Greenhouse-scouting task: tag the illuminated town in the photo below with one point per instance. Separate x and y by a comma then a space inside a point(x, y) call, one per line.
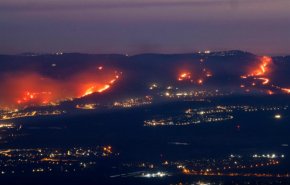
point(211, 114)
point(134, 102)
point(21, 114)
point(51, 160)
point(234, 165)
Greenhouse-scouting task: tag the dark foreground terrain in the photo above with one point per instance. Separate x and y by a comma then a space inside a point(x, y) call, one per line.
point(117, 147)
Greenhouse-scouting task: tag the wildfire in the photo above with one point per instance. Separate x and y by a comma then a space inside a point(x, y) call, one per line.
point(199, 78)
point(265, 80)
point(263, 68)
point(261, 72)
point(184, 76)
point(104, 88)
point(286, 90)
point(89, 91)
point(42, 97)
point(100, 88)
point(22, 89)
point(94, 89)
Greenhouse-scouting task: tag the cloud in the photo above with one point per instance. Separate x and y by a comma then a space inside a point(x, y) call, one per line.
point(53, 5)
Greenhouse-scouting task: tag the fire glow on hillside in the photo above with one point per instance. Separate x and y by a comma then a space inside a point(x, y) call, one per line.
point(261, 73)
point(29, 88)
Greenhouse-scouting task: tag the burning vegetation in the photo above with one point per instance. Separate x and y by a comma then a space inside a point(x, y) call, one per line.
point(199, 78)
point(261, 73)
point(184, 76)
point(21, 89)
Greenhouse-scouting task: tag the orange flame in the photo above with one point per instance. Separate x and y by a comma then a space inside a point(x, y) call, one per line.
point(265, 80)
point(263, 68)
point(42, 97)
point(26, 88)
point(100, 88)
point(184, 76)
point(286, 90)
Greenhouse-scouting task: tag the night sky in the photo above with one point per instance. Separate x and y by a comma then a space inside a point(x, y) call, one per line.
point(138, 26)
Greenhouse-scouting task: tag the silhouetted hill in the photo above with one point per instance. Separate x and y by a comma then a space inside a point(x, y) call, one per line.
point(216, 69)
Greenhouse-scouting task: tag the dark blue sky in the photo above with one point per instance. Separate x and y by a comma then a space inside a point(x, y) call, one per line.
point(137, 26)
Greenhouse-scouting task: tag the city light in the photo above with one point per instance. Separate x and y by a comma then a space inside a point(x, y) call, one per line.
point(154, 175)
point(278, 116)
